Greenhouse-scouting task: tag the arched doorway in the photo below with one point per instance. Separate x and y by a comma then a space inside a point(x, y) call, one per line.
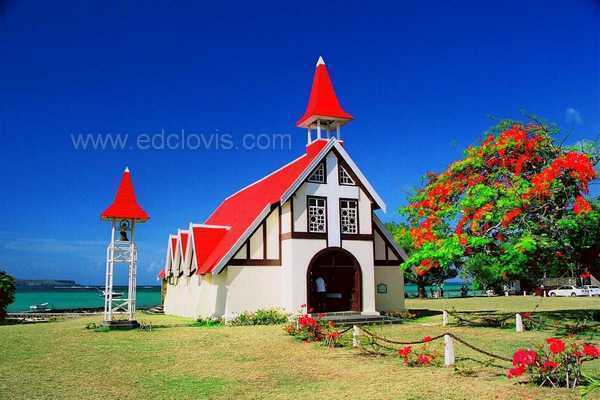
point(334, 282)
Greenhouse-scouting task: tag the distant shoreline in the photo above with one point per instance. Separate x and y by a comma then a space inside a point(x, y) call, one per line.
point(80, 287)
point(79, 310)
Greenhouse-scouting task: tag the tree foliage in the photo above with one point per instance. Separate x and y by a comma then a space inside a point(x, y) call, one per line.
point(513, 208)
point(7, 292)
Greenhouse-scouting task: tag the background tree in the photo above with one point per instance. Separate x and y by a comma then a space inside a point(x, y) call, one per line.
point(7, 292)
point(434, 277)
point(512, 208)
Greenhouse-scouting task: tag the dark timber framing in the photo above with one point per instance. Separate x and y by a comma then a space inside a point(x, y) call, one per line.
point(388, 249)
point(264, 261)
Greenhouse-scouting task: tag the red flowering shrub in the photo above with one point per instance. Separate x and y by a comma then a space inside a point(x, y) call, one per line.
point(505, 209)
point(306, 328)
point(556, 346)
point(556, 364)
point(419, 357)
point(332, 336)
point(524, 357)
point(591, 351)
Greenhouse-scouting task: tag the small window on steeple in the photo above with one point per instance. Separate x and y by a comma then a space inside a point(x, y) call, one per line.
point(345, 178)
point(318, 175)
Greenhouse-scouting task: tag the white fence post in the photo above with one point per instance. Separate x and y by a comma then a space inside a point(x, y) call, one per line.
point(448, 351)
point(524, 292)
point(519, 323)
point(355, 335)
point(445, 318)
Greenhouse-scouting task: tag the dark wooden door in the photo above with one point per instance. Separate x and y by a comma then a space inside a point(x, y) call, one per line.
point(341, 274)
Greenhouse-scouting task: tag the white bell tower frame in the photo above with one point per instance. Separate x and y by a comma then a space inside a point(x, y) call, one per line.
point(124, 213)
point(121, 252)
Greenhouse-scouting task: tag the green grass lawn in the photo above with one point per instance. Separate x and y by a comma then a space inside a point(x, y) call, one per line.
point(63, 360)
point(506, 304)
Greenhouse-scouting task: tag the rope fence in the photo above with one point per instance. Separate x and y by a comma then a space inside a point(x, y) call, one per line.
point(523, 320)
point(449, 358)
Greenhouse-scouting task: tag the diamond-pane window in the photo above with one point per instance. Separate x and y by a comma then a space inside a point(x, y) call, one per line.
point(345, 178)
point(317, 215)
point(349, 216)
point(318, 175)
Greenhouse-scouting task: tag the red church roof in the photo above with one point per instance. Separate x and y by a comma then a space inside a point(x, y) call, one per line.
point(241, 209)
point(174, 239)
point(183, 240)
point(322, 103)
point(125, 204)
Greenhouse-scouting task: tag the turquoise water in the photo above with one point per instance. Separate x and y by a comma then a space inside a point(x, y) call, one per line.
point(450, 290)
point(60, 299)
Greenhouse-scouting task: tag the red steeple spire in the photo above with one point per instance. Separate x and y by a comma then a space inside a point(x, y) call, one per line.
point(323, 103)
point(125, 205)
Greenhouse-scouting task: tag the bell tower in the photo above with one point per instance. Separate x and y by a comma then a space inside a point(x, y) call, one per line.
point(323, 114)
point(123, 215)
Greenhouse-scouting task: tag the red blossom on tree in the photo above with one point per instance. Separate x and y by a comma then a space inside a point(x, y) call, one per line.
point(581, 205)
point(503, 210)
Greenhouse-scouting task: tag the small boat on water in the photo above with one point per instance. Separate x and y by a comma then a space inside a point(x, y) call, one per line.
point(40, 307)
point(115, 295)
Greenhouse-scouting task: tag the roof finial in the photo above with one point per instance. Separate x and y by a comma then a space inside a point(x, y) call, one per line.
point(320, 61)
point(126, 169)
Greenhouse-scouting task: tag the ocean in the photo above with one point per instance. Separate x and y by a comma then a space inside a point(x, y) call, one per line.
point(61, 299)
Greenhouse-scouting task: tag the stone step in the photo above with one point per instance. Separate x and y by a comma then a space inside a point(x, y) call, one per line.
point(355, 318)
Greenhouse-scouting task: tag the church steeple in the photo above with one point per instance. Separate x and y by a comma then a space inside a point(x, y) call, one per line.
point(323, 110)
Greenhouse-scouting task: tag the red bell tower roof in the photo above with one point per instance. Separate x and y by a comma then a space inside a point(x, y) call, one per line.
point(125, 205)
point(323, 103)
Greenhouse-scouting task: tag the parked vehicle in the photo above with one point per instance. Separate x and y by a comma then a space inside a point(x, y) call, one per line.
point(592, 290)
point(568, 290)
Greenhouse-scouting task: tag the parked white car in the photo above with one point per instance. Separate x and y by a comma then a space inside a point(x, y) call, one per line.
point(592, 290)
point(568, 291)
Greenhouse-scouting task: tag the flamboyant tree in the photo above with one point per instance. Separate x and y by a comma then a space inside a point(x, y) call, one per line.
point(514, 207)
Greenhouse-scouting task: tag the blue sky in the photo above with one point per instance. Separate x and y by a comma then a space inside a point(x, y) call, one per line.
point(422, 80)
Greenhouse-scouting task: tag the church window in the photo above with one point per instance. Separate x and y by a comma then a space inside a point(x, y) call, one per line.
point(349, 216)
point(317, 214)
point(345, 178)
point(318, 175)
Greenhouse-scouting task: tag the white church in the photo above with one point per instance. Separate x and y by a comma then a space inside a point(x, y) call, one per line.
point(306, 234)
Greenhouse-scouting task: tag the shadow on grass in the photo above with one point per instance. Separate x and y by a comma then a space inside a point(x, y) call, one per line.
point(422, 313)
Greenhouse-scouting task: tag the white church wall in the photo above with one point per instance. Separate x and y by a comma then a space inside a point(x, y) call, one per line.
point(185, 297)
point(249, 288)
point(256, 244)
point(297, 256)
point(379, 246)
point(393, 279)
point(364, 213)
point(286, 217)
point(272, 226)
point(242, 253)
